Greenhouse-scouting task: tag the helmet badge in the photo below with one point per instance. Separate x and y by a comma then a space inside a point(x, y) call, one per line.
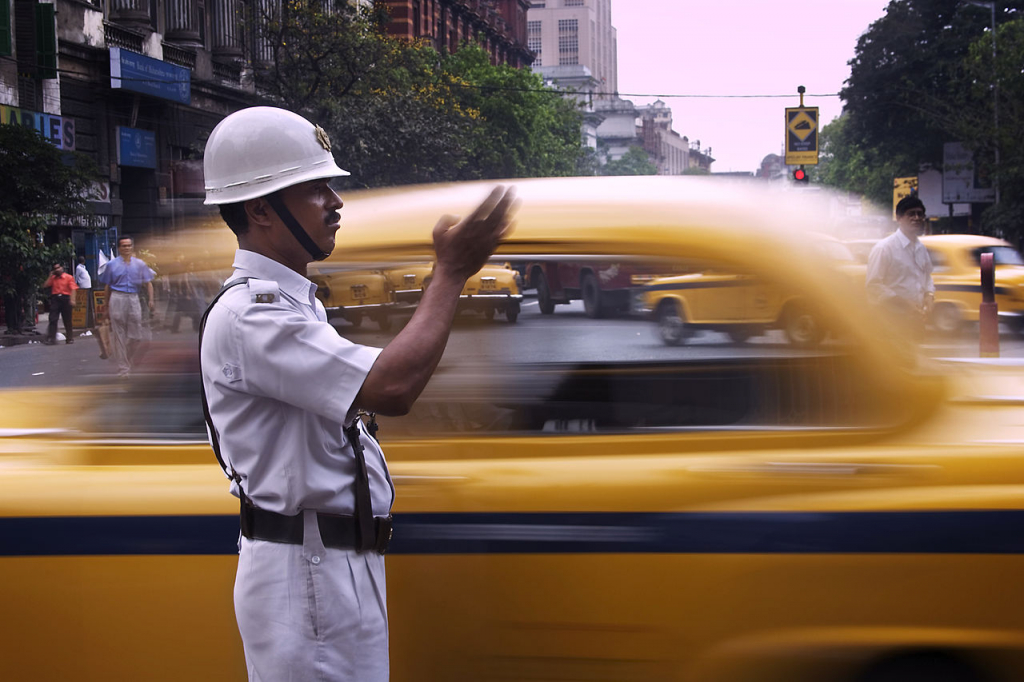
point(321, 137)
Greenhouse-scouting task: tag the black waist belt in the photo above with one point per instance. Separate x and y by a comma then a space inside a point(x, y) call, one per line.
point(336, 530)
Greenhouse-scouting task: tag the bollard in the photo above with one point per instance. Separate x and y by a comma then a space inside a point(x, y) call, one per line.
point(988, 311)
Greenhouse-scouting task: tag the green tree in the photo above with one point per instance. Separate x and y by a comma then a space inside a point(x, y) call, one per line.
point(35, 181)
point(520, 128)
point(634, 162)
point(399, 112)
point(970, 118)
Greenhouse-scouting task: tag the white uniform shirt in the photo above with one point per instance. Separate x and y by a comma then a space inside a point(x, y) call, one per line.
point(280, 383)
point(82, 277)
point(899, 268)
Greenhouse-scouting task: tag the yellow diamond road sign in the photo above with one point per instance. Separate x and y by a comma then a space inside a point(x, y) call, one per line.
point(802, 125)
point(802, 136)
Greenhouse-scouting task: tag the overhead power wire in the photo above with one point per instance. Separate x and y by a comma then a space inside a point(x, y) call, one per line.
point(551, 89)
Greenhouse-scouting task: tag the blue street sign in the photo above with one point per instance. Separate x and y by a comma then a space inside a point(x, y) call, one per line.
point(139, 73)
point(136, 147)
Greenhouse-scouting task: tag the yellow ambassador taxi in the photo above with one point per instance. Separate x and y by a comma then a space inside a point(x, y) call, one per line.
point(956, 262)
point(352, 295)
point(574, 501)
point(495, 288)
point(743, 305)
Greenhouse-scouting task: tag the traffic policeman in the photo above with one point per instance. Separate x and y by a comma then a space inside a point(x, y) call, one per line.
point(282, 392)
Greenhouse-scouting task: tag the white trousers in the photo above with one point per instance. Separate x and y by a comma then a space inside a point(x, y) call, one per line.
point(125, 326)
point(308, 614)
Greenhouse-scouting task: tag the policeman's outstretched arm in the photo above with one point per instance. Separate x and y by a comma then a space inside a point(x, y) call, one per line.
point(462, 246)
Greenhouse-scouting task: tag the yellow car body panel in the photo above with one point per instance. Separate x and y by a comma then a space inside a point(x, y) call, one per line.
point(779, 551)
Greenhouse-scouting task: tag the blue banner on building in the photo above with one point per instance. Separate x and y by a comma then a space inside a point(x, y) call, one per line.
point(136, 147)
point(139, 73)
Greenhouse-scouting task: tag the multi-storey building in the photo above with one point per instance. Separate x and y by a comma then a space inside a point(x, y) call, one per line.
point(565, 33)
point(498, 25)
point(135, 84)
point(624, 125)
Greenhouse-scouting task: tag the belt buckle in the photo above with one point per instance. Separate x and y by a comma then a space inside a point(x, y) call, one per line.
point(384, 533)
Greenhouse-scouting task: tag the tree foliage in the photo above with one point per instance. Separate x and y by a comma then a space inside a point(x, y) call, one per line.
point(34, 182)
point(921, 76)
point(634, 162)
point(400, 112)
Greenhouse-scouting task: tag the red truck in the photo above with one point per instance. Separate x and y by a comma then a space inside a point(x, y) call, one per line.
point(606, 287)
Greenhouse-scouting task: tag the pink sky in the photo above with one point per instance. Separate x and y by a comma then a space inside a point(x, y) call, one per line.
point(738, 47)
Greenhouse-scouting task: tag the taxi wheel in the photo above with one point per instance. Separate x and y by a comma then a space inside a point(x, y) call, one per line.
point(355, 319)
point(946, 318)
point(384, 322)
point(489, 313)
point(512, 311)
point(922, 667)
point(547, 306)
point(671, 323)
point(803, 328)
point(590, 291)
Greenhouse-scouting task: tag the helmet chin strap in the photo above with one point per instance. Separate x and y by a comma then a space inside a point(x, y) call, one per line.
point(293, 226)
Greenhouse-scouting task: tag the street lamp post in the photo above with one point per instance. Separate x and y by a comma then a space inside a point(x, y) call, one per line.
point(991, 5)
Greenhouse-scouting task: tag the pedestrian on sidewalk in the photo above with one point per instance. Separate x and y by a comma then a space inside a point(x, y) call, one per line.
point(124, 278)
point(84, 281)
point(62, 287)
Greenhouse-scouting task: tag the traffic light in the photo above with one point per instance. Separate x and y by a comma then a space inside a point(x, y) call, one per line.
point(800, 175)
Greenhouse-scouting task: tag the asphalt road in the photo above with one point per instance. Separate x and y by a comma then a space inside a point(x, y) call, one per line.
point(566, 336)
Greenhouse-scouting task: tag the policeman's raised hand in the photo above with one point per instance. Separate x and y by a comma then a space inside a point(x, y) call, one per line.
point(464, 245)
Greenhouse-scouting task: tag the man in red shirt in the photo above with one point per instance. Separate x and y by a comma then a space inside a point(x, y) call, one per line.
point(62, 288)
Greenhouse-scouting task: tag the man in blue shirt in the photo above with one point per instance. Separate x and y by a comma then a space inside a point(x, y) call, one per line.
point(124, 277)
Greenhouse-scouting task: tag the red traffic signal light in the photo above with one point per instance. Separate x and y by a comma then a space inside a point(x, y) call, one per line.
point(800, 175)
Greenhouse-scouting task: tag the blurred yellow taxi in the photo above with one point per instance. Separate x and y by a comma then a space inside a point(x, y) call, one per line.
point(495, 289)
point(573, 500)
point(956, 262)
point(355, 294)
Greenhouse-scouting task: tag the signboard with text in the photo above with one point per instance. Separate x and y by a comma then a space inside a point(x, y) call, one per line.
point(959, 181)
point(136, 147)
point(57, 130)
point(139, 73)
point(802, 136)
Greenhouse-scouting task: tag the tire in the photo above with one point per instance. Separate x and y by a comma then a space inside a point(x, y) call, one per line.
point(802, 327)
point(512, 311)
point(923, 667)
point(946, 319)
point(672, 326)
point(384, 322)
point(544, 302)
point(590, 292)
point(354, 319)
point(740, 334)
point(489, 313)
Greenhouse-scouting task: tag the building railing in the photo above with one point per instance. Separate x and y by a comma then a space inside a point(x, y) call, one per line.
point(119, 36)
point(180, 56)
point(229, 71)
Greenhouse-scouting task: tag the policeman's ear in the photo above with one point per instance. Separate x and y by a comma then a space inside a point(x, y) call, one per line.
point(258, 212)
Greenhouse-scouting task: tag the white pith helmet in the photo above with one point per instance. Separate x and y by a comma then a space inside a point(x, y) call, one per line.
point(257, 151)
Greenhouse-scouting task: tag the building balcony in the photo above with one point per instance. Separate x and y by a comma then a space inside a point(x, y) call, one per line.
point(180, 56)
point(125, 38)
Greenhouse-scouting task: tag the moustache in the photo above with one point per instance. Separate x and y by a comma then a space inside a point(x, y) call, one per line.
point(333, 218)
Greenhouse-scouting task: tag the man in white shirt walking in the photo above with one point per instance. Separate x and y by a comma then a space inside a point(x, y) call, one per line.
point(899, 276)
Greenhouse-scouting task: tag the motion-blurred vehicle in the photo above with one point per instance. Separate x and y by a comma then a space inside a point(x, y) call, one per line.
point(573, 500)
point(354, 294)
point(956, 262)
point(742, 305)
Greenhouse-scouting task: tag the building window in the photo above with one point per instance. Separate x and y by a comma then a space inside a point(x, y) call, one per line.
point(574, 3)
point(533, 41)
point(568, 42)
point(5, 28)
